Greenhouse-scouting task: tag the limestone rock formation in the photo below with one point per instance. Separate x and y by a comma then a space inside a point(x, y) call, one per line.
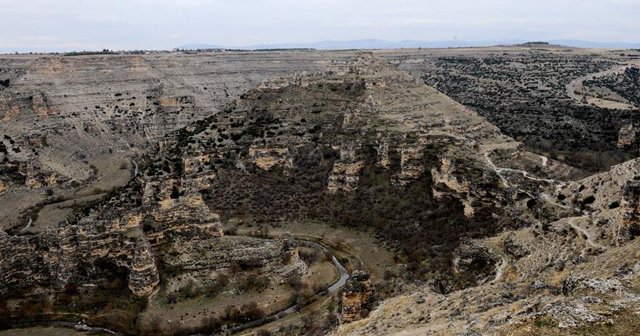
point(514, 247)
point(277, 260)
point(627, 136)
point(629, 228)
point(176, 207)
point(143, 275)
point(356, 297)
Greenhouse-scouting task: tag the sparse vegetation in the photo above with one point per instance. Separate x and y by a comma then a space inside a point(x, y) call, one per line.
point(362, 149)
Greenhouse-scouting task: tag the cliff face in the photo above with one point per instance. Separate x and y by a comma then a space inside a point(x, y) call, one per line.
point(576, 269)
point(31, 261)
point(177, 207)
point(629, 228)
point(627, 136)
point(177, 230)
point(356, 297)
point(143, 272)
point(235, 257)
point(56, 258)
point(335, 140)
point(65, 119)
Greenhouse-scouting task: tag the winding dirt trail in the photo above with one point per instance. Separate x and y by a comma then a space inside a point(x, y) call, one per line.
point(547, 198)
point(585, 233)
point(495, 168)
point(525, 174)
point(604, 103)
point(499, 273)
point(136, 170)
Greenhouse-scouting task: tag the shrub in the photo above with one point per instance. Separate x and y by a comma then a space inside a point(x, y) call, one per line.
point(211, 324)
point(296, 283)
point(217, 285)
point(188, 291)
point(309, 257)
point(251, 312)
point(232, 231)
point(589, 200)
point(258, 283)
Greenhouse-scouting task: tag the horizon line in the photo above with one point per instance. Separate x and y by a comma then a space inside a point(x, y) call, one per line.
point(193, 46)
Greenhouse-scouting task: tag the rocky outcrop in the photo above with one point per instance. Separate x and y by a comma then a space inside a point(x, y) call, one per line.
point(29, 261)
point(411, 153)
point(445, 175)
point(356, 297)
point(231, 256)
point(629, 226)
point(37, 176)
point(143, 273)
point(344, 175)
point(266, 158)
point(116, 231)
point(475, 262)
point(515, 247)
point(175, 207)
point(627, 136)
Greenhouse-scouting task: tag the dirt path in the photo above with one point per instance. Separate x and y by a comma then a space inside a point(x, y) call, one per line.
point(547, 198)
point(584, 233)
point(604, 103)
point(501, 268)
point(499, 171)
point(495, 169)
point(136, 170)
point(526, 175)
point(545, 160)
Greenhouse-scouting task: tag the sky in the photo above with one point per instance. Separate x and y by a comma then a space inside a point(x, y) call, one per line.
point(60, 25)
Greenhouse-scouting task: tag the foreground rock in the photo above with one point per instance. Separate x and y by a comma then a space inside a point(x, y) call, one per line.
point(356, 297)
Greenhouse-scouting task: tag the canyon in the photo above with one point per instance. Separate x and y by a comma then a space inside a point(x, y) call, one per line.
point(464, 191)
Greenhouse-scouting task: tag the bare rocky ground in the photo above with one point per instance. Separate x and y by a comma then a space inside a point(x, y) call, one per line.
point(130, 184)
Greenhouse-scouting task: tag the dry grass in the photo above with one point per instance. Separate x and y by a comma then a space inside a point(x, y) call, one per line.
point(39, 331)
point(365, 250)
point(624, 323)
point(193, 312)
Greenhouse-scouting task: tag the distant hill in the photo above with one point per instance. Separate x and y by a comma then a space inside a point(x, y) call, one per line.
point(592, 44)
point(383, 44)
point(194, 46)
point(365, 44)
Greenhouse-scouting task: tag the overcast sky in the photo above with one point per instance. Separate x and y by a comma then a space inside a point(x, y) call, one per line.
point(163, 24)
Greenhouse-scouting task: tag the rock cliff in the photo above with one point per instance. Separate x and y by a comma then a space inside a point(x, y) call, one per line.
point(629, 228)
point(356, 297)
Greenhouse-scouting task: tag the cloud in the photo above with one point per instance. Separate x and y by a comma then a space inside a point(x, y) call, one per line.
point(157, 24)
